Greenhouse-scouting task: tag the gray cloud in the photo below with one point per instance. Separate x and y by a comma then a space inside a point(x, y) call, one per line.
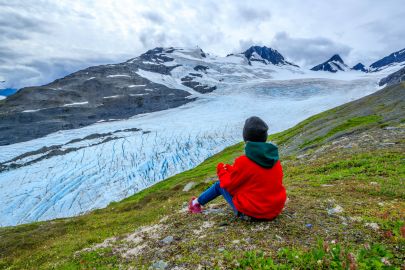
point(151, 38)
point(47, 70)
point(251, 14)
point(308, 51)
point(245, 44)
point(8, 54)
point(14, 21)
point(14, 26)
point(390, 34)
point(7, 34)
point(153, 16)
point(16, 76)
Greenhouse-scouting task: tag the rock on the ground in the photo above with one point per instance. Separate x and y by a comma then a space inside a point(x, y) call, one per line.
point(335, 210)
point(188, 187)
point(167, 240)
point(159, 265)
point(372, 225)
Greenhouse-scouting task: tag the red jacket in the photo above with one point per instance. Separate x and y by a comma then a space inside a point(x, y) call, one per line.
point(257, 191)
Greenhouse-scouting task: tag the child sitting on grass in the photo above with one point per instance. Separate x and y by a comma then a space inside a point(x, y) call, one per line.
point(253, 185)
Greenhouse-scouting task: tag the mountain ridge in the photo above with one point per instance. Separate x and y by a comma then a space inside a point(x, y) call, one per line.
point(267, 55)
point(395, 57)
point(333, 64)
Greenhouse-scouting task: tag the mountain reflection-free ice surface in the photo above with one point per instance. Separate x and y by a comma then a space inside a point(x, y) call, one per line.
point(95, 172)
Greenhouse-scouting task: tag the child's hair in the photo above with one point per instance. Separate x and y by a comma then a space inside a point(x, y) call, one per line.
point(255, 130)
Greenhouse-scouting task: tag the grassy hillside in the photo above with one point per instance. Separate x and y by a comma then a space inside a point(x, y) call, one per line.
point(344, 173)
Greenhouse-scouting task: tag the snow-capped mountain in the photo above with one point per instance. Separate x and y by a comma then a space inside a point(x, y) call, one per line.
point(159, 79)
point(360, 67)
point(265, 55)
point(334, 64)
point(396, 58)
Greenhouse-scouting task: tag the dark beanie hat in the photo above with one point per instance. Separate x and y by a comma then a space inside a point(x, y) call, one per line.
point(255, 130)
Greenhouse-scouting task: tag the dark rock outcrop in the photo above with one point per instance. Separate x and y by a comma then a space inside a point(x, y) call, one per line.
point(265, 55)
point(201, 68)
point(359, 67)
point(334, 64)
point(197, 86)
point(394, 78)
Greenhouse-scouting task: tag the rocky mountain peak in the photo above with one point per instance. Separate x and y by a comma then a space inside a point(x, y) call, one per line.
point(334, 64)
point(336, 58)
point(360, 67)
point(265, 55)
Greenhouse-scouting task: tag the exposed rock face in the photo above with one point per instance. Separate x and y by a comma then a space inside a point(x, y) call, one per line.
point(394, 78)
point(265, 55)
point(396, 57)
point(201, 68)
point(359, 67)
point(334, 64)
point(197, 86)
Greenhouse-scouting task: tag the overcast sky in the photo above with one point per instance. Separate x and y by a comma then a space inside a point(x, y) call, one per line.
point(42, 40)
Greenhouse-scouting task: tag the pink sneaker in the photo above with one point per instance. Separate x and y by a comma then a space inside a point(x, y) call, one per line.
point(194, 209)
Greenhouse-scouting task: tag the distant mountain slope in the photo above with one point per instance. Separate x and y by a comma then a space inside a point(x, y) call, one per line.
point(334, 64)
point(393, 58)
point(394, 78)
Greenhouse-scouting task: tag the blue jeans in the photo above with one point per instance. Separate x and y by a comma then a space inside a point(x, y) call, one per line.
point(214, 191)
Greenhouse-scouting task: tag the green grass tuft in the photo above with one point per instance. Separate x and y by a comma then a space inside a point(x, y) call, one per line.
point(324, 256)
point(355, 122)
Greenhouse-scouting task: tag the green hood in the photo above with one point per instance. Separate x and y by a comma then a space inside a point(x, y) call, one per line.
point(264, 154)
